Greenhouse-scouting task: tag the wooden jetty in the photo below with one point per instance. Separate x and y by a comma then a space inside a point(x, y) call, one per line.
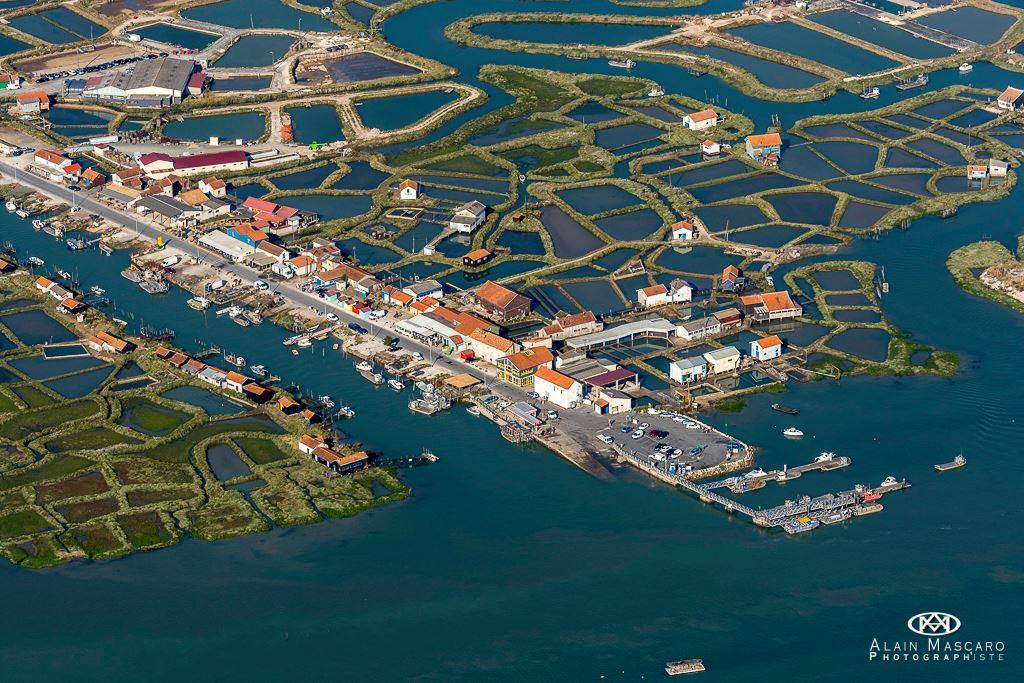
point(777, 475)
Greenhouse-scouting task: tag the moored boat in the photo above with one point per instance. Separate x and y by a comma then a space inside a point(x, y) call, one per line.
point(396, 384)
point(866, 509)
point(800, 525)
point(870, 93)
point(684, 666)
point(199, 303)
point(778, 407)
point(837, 516)
point(792, 432)
point(258, 370)
point(473, 410)
point(622, 63)
point(346, 411)
point(966, 68)
point(363, 366)
point(958, 461)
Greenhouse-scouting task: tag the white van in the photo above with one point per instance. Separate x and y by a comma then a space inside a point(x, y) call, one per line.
point(170, 261)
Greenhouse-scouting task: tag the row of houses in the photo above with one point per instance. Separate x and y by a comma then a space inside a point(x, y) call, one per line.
point(224, 379)
point(56, 167)
point(722, 361)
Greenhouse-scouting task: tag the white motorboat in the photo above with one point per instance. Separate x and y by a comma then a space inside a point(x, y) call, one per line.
point(241, 322)
point(966, 68)
point(363, 366)
point(473, 410)
point(304, 343)
point(258, 370)
point(622, 63)
point(11, 206)
point(826, 456)
point(97, 290)
point(35, 261)
point(396, 384)
point(326, 401)
point(199, 303)
point(347, 411)
point(792, 432)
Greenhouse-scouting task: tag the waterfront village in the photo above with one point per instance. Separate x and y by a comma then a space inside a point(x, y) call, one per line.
point(589, 266)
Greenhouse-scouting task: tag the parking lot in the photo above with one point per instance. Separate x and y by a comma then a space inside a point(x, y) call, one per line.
point(667, 439)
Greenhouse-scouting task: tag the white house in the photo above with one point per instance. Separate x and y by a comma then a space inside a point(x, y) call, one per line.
point(680, 291)
point(560, 389)
point(683, 230)
point(722, 360)
point(997, 168)
point(1009, 98)
point(699, 120)
point(687, 370)
point(710, 148)
point(214, 187)
point(692, 330)
point(423, 289)
point(468, 217)
point(655, 295)
point(766, 348)
point(408, 190)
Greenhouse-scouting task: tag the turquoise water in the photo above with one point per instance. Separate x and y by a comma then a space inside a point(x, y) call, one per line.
point(399, 111)
point(815, 46)
point(318, 123)
point(508, 564)
point(248, 126)
point(176, 35)
point(262, 14)
point(256, 50)
point(58, 25)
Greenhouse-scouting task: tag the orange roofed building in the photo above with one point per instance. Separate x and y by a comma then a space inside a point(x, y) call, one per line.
point(518, 368)
point(770, 306)
point(502, 303)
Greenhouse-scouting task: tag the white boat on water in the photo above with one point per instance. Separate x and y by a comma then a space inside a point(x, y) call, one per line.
point(326, 401)
point(826, 456)
point(237, 361)
point(396, 384)
point(199, 303)
point(97, 290)
point(473, 410)
point(347, 411)
point(11, 206)
point(64, 274)
point(38, 224)
point(258, 370)
point(35, 261)
point(622, 63)
point(304, 343)
point(376, 378)
point(364, 366)
point(966, 68)
point(21, 213)
point(228, 310)
point(792, 432)
point(241, 321)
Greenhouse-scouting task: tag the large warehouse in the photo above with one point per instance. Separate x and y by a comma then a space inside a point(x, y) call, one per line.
point(149, 83)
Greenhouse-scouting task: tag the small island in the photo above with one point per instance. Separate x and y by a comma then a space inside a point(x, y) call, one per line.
point(990, 270)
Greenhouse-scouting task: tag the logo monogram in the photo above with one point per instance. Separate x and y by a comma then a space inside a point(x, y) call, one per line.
point(933, 624)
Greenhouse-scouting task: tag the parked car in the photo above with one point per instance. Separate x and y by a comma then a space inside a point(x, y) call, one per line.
point(261, 285)
point(333, 317)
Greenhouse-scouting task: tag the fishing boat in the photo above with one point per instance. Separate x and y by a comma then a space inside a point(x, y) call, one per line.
point(862, 509)
point(119, 322)
point(97, 290)
point(473, 410)
point(199, 303)
point(132, 274)
point(154, 286)
point(918, 82)
point(253, 316)
point(375, 378)
point(11, 206)
point(64, 274)
point(825, 456)
point(778, 407)
point(792, 432)
point(684, 666)
point(21, 213)
point(76, 243)
point(396, 384)
point(870, 93)
point(622, 63)
point(241, 321)
point(35, 261)
point(966, 68)
point(258, 370)
point(787, 474)
point(292, 340)
point(38, 224)
point(106, 249)
point(837, 516)
point(237, 361)
point(363, 366)
point(958, 461)
point(800, 525)
point(744, 485)
point(428, 455)
point(304, 343)
point(326, 401)
point(346, 411)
